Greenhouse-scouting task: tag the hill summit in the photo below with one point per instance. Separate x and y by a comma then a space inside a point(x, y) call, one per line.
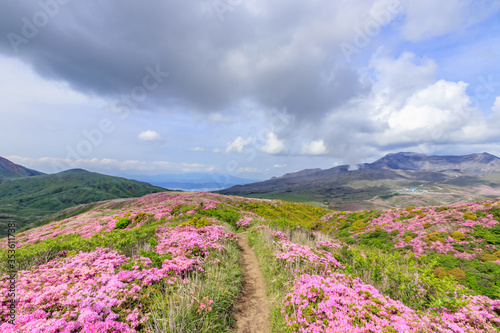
point(9, 170)
point(472, 164)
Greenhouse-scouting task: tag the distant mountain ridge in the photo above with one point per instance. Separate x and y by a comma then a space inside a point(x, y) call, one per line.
point(471, 164)
point(458, 178)
point(9, 170)
point(482, 163)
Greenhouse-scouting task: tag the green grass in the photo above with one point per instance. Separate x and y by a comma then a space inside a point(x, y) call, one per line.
point(171, 308)
point(279, 281)
point(295, 196)
point(296, 213)
point(401, 277)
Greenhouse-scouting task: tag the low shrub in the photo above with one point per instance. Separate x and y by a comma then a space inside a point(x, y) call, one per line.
point(458, 236)
point(457, 273)
point(140, 217)
point(470, 216)
point(432, 237)
point(122, 223)
point(197, 222)
point(489, 257)
point(224, 215)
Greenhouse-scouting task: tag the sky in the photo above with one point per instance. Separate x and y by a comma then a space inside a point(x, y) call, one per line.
point(245, 88)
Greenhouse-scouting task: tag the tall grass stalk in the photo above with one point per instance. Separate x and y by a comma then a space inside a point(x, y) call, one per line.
point(176, 308)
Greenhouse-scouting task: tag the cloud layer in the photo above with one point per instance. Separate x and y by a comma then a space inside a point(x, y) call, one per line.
point(253, 83)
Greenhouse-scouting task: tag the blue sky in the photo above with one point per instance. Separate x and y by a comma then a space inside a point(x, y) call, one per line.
point(246, 88)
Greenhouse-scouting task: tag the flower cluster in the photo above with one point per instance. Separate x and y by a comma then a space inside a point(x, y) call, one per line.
point(244, 222)
point(102, 291)
point(339, 303)
point(205, 304)
point(329, 244)
point(188, 239)
point(300, 257)
point(80, 291)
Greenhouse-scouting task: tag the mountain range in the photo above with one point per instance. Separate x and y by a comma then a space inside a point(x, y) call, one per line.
point(473, 164)
point(386, 182)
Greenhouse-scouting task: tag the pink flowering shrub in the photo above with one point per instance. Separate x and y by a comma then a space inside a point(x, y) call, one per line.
point(191, 240)
point(339, 303)
point(102, 290)
point(302, 257)
point(329, 244)
point(279, 236)
point(81, 291)
point(244, 223)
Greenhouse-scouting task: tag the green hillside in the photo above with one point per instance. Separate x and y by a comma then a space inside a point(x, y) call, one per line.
point(31, 201)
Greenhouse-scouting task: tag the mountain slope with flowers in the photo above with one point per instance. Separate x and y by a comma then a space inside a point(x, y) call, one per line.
point(169, 262)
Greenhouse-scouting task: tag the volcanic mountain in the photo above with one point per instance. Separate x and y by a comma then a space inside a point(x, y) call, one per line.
point(445, 179)
point(473, 164)
point(9, 170)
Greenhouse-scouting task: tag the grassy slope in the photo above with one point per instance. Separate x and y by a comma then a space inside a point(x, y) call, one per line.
point(27, 200)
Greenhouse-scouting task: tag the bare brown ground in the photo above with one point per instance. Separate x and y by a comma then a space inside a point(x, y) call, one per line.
point(252, 307)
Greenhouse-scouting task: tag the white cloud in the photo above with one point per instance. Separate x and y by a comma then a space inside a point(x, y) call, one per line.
point(273, 145)
point(399, 78)
point(149, 135)
point(428, 18)
point(496, 106)
point(237, 145)
point(316, 147)
point(279, 165)
point(249, 170)
point(217, 151)
point(55, 164)
point(22, 88)
point(407, 109)
point(219, 118)
point(196, 149)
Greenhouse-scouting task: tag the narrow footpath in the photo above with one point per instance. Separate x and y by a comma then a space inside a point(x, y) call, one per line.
point(252, 307)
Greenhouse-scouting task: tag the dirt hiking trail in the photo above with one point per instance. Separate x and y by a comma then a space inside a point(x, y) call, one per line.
point(252, 307)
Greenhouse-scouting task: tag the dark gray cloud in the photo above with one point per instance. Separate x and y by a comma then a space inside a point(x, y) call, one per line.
point(289, 59)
